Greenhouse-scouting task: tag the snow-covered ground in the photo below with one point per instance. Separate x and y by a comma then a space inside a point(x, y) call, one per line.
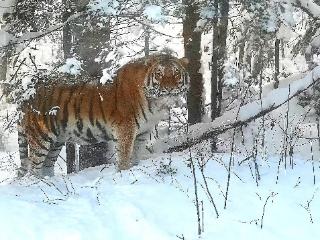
point(156, 200)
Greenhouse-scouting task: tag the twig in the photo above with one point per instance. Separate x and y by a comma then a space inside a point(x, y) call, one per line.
point(307, 207)
point(312, 162)
point(207, 189)
point(195, 192)
point(180, 237)
point(273, 194)
point(231, 155)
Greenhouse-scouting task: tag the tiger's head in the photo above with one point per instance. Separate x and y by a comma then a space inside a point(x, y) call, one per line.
point(167, 75)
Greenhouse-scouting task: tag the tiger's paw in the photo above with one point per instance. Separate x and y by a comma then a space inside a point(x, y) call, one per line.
point(124, 166)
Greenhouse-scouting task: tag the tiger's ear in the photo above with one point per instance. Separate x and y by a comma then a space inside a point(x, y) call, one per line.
point(184, 61)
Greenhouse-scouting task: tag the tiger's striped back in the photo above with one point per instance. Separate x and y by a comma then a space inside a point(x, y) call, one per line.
point(87, 113)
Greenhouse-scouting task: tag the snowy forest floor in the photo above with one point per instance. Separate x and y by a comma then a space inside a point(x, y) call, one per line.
point(156, 200)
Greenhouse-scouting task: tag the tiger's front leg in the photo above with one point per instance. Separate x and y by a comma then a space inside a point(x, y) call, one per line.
point(140, 149)
point(126, 135)
point(48, 165)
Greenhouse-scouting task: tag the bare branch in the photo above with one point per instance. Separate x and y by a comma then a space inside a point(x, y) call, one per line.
point(204, 131)
point(309, 7)
point(273, 194)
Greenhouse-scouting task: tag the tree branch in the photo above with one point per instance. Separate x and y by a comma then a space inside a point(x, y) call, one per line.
point(29, 36)
point(236, 118)
point(35, 35)
point(309, 7)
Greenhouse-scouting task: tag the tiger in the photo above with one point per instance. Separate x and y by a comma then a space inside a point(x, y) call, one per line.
point(124, 111)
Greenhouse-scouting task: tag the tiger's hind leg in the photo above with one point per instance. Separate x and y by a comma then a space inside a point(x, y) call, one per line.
point(37, 156)
point(48, 164)
point(23, 151)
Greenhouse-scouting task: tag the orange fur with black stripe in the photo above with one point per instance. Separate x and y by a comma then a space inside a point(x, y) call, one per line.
point(84, 113)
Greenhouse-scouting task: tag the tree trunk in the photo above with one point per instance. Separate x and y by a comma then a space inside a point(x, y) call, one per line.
point(5, 54)
point(214, 66)
point(147, 41)
point(223, 35)
point(71, 158)
point(219, 42)
point(277, 63)
point(66, 31)
point(192, 48)
point(67, 51)
point(3, 74)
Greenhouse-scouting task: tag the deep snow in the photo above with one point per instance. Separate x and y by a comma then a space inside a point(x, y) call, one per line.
point(156, 200)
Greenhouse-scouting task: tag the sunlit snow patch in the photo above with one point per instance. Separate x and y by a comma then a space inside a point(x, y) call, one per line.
point(72, 66)
point(153, 13)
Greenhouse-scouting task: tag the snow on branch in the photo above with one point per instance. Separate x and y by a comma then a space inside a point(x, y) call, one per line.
point(34, 35)
point(310, 7)
point(237, 117)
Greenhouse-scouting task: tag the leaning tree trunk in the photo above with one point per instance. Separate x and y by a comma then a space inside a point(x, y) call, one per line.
point(192, 48)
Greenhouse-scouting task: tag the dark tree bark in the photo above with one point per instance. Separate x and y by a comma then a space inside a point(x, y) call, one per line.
point(192, 47)
point(219, 52)
point(71, 158)
point(223, 35)
point(214, 66)
point(277, 63)
point(3, 74)
point(147, 41)
point(67, 51)
point(219, 41)
point(3, 65)
point(66, 31)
